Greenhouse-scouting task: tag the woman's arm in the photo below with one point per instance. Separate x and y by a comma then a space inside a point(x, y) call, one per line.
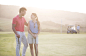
point(29, 29)
point(37, 33)
point(38, 30)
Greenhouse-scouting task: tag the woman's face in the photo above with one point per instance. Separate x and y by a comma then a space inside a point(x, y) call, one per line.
point(33, 17)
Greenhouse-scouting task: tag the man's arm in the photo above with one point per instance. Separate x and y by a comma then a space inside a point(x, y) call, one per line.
point(13, 28)
point(26, 23)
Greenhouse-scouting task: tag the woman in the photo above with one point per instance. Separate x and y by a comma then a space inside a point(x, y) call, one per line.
point(33, 31)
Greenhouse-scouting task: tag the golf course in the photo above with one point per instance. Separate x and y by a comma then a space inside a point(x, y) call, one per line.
point(61, 23)
point(50, 44)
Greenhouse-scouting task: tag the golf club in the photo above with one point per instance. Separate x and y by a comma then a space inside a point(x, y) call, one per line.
point(36, 47)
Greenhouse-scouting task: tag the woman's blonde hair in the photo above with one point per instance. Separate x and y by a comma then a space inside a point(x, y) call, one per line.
point(38, 23)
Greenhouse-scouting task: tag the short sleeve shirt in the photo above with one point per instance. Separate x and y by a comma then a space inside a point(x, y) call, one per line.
point(19, 22)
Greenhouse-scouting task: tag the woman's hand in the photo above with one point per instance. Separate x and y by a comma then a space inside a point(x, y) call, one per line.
point(34, 35)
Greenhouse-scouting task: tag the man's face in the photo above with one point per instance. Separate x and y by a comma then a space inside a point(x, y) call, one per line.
point(23, 12)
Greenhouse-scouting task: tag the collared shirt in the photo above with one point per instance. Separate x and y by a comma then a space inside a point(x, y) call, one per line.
point(32, 28)
point(19, 22)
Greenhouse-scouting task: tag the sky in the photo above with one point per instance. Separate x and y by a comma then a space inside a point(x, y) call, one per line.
point(66, 5)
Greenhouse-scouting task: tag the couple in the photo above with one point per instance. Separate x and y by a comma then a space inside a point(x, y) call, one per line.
point(33, 31)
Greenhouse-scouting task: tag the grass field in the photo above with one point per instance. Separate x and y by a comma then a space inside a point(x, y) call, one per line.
point(50, 44)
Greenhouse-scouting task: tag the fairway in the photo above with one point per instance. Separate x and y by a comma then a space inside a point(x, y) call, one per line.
point(50, 44)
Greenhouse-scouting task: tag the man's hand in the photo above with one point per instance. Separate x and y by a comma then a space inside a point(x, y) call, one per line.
point(18, 36)
point(26, 23)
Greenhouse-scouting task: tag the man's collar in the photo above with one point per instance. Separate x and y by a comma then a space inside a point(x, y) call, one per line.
point(19, 17)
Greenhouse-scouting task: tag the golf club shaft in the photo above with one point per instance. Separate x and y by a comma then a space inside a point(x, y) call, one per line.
point(36, 47)
point(18, 40)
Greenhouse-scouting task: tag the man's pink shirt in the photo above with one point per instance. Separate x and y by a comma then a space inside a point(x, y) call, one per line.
point(19, 22)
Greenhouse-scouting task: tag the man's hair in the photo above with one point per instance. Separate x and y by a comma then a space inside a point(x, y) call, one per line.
point(22, 9)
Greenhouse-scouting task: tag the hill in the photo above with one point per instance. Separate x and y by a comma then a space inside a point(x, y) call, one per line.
point(49, 19)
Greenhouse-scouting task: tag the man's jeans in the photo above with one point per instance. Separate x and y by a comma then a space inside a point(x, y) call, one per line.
point(23, 40)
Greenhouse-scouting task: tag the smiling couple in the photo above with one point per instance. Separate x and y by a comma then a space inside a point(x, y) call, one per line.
point(33, 31)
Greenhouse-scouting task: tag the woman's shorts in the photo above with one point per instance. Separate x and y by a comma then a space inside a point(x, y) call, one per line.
point(31, 39)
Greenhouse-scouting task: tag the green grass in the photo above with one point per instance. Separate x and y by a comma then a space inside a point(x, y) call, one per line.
point(50, 44)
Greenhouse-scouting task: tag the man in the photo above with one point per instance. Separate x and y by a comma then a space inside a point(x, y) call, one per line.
point(78, 29)
point(18, 28)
